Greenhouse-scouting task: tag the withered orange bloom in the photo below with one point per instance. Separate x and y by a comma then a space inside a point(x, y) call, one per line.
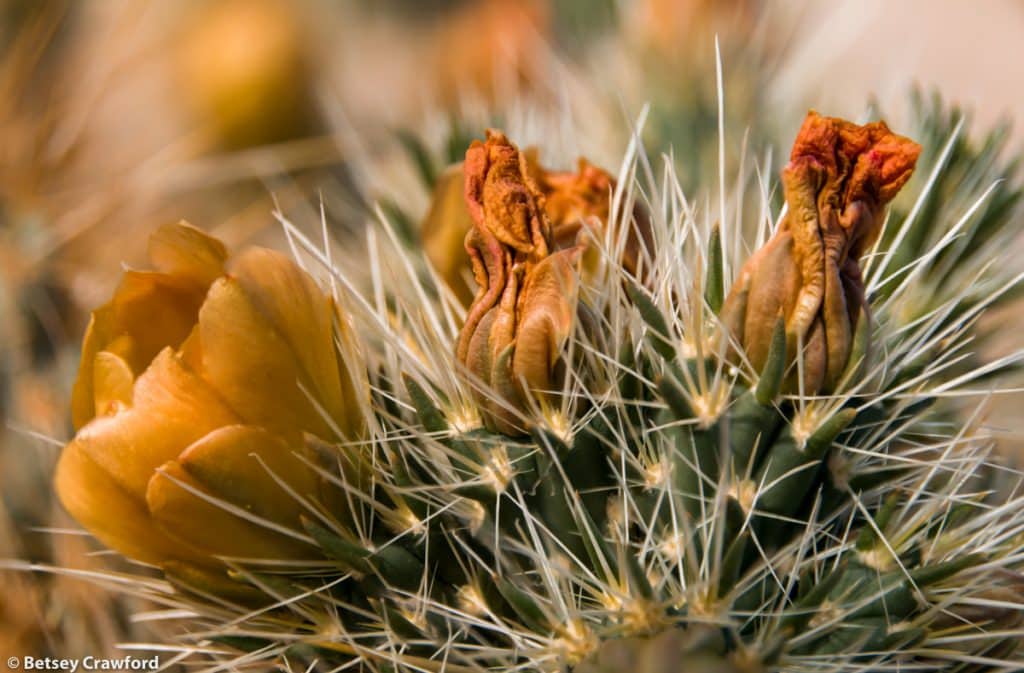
point(525, 305)
point(572, 200)
point(198, 383)
point(839, 179)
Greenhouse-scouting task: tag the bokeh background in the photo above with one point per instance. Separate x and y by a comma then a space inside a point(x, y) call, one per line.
point(118, 115)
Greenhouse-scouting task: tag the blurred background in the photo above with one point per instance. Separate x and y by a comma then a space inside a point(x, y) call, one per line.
point(117, 116)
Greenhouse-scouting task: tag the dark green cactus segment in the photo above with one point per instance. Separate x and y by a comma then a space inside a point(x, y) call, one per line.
point(788, 473)
point(852, 635)
point(903, 639)
point(866, 593)
point(280, 588)
point(553, 497)
point(588, 466)
point(795, 619)
point(672, 394)
point(868, 537)
point(630, 385)
point(398, 567)
point(752, 426)
point(753, 418)
point(731, 564)
point(580, 478)
point(660, 335)
point(770, 382)
point(932, 574)
point(617, 557)
point(523, 605)
point(822, 438)
point(398, 624)
point(714, 283)
point(353, 557)
point(694, 462)
point(430, 416)
point(242, 643)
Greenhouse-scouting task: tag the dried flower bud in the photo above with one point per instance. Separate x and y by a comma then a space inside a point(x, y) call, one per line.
point(198, 382)
point(583, 199)
point(572, 201)
point(838, 181)
point(525, 305)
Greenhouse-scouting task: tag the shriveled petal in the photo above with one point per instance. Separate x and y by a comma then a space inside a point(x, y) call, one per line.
point(118, 519)
point(188, 253)
point(237, 462)
point(171, 409)
point(547, 310)
point(502, 196)
point(297, 309)
point(149, 312)
point(253, 367)
point(188, 512)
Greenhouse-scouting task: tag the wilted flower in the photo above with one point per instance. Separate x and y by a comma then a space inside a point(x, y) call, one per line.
point(196, 386)
point(525, 305)
point(572, 201)
point(838, 181)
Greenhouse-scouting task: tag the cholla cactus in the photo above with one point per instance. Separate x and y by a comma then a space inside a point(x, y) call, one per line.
point(588, 471)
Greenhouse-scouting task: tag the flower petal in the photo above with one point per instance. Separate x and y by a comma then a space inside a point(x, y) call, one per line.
point(171, 409)
point(256, 371)
point(109, 512)
point(149, 312)
point(302, 314)
point(173, 501)
point(548, 305)
point(112, 383)
point(186, 252)
point(236, 463)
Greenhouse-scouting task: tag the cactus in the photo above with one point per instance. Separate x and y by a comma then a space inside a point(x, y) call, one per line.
point(588, 469)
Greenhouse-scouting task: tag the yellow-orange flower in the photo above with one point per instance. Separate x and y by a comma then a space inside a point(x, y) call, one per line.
point(839, 179)
point(525, 305)
point(197, 383)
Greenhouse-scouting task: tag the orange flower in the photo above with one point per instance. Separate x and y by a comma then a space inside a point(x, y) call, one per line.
point(838, 181)
point(524, 308)
point(197, 383)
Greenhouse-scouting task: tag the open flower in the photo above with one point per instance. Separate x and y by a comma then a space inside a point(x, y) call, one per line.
point(839, 179)
point(524, 308)
point(196, 386)
point(573, 200)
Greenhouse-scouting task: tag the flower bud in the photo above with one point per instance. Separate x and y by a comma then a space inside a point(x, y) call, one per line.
point(197, 384)
point(839, 179)
point(572, 201)
point(524, 308)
